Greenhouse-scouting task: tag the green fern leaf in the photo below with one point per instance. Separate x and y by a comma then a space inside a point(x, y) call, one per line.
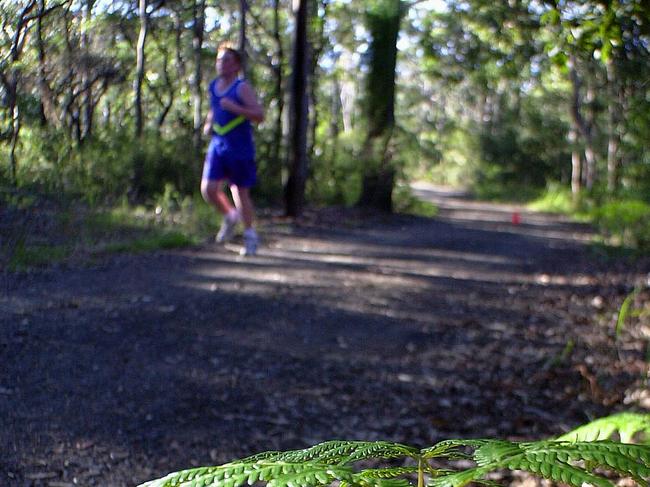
point(626, 424)
point(313, 475)
point(178, 478)
point(451, 449)
point(556, 471)
point(233, 474)
point(381, 449)
point(459, 479)
point(388, 473)
point(337, 452)
point(383, 482)
point(495, 451)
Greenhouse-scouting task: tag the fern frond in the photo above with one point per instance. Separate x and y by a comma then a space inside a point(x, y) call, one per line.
point(626, 424)
point(628, 460)
point(313, 475)
point(459, 479)
point(381, 449)
point(495, 451)
point(237, 474)
point(338, 452)
point(373, 482)
point(451, 449)
point(555, 461)
point(556, 471)
point(388, 473)
point(632, 460)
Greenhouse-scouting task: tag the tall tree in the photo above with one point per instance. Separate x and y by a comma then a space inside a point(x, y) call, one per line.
point(140, 54)
point(383, 23)
point(295, 188)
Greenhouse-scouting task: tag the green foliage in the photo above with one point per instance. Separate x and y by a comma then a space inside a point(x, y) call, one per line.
point(625, 425)
point(459, 157)
point(625, 223)
point(405, 202)
point(44, 233)
point(555, 199)
point(624, 311)
point(101, 168)
point(29, 256)
point(570, 460)
point(337, 180)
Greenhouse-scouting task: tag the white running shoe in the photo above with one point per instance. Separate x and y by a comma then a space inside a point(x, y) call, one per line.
point(227, 229)
point(251, 241)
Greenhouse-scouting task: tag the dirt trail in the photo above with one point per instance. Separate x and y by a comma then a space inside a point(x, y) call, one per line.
point(345, 326)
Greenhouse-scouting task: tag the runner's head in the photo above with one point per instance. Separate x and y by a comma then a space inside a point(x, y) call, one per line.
point(229, 61)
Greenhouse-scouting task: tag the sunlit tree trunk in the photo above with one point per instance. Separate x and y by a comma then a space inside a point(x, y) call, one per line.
point(576, 165)
point(138, 162)
point(582, 126)
point(140, 64)
point(383, 19)
point(614, 138)
point(295, 188)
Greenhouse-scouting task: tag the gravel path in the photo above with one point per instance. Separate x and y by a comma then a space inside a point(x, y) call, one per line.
point(345, 326)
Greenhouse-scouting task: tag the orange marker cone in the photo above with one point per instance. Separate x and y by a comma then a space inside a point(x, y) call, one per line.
point(516, 219)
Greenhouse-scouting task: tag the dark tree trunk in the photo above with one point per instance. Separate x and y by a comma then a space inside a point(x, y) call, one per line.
point(379, 173)
point(42, 81)
point(197, 94)
point(275, 164)
point(295, 188)
point(243, 7)
point(88, 102)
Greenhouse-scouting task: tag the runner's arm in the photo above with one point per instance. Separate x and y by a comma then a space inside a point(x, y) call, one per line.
point(250, 107)
point(207, 125)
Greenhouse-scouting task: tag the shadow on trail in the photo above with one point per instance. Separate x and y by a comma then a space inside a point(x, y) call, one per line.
point(413, 331)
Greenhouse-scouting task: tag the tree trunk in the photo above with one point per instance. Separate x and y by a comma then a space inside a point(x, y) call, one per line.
point(576, 165)
point(197, 94)
point(295, 189)
point(243, 7)
point(138, 162)
point(42, 82)
point(15, 131)
point(88, 102)
point(140, 66)
point(590, 151)
point(583, 126)
point(614, 137)
point(275, 164)
point(383, 20)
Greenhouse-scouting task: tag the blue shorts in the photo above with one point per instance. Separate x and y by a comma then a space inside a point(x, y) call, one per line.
point(225, 164)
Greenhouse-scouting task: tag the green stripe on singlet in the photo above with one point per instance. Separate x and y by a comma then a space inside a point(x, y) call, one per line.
point(229, 126)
